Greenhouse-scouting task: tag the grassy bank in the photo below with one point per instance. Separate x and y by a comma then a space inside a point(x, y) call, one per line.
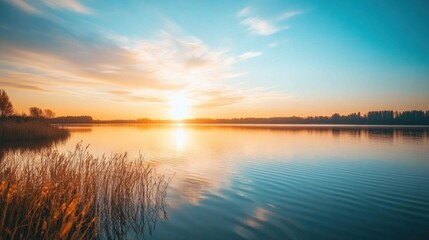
point(54, 195)
point(30, 130)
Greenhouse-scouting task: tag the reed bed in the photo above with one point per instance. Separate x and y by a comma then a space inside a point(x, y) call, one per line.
point(31, 130)
point(75, 195)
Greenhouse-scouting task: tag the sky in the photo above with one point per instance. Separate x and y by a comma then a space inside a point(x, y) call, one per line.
point(218, 59)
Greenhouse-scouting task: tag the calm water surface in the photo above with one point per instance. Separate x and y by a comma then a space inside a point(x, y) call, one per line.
point(280, 182)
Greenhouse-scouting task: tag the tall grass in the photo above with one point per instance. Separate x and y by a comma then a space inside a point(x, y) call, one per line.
point(31, 130)
point(74, 195)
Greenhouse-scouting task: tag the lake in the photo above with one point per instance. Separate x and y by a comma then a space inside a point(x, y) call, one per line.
point(280, 181)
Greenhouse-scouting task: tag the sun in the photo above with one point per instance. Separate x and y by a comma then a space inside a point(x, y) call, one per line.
point(179, 106)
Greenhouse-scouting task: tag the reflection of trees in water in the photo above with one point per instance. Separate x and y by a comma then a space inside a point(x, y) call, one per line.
point(385, 133)
point(381, 133)
point(52, 195)
point(338, 132)
point(29, 146)
point(413, 134)
point(373, 132)
point(79, 129)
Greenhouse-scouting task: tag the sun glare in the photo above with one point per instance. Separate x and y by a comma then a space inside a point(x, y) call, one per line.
point(180, 138)
point(179, 106)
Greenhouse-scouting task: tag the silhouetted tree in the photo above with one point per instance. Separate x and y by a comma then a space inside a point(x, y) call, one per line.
point(36, 112)
point(49, 113)
point(6, 107)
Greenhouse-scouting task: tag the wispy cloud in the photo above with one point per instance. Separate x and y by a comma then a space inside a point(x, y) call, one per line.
point(130, 96)
point(25, 6)
point(244, 12)
point(6, 83)
point(39, 6)
point(51, 58)
point(290, 14)
point(235, 94)
point(249, 55)
point(264, 27)
point(260, 26)
point(72, 5)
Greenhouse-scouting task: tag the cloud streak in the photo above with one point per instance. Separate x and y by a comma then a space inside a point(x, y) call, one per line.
point(248, 55)
point(40, 6)
point(264, 27)
point(72, 5)
point(244, 12)
point(260, 26)
point(290, 14)
point(25, 6)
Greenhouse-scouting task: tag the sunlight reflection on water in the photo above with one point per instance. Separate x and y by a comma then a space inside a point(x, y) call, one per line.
point(180, 137)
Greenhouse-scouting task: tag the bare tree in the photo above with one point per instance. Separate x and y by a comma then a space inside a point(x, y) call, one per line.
point(6, 108)
point(49, 113)
point(36, 112)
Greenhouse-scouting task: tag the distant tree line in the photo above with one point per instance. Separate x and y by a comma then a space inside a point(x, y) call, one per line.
point(72, 119)
point(414, 117)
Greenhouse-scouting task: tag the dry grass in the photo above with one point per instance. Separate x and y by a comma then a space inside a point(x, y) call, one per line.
point(77, 196)
point(31, 130)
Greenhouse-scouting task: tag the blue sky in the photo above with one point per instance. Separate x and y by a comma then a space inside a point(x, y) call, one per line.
point(162, 59)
